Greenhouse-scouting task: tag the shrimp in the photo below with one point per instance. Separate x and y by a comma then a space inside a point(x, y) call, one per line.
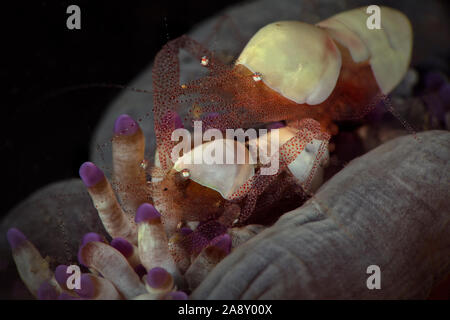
point(308, 76)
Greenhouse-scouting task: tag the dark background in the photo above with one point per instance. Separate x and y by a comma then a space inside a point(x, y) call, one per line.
point(46, 120)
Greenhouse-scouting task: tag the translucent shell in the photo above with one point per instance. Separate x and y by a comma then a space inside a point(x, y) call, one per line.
point(296, 59)
point(225, 177)
point(302, 166)
point(306, 165)
point(388, 49)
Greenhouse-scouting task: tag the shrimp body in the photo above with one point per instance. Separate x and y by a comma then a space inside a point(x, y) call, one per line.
point(309, 76)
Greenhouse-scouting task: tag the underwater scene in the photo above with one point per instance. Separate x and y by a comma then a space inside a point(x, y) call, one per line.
point(236, 150)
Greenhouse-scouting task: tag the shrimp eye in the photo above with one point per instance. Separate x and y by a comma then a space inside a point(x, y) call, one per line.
point(165, 189)
point(185, 173)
